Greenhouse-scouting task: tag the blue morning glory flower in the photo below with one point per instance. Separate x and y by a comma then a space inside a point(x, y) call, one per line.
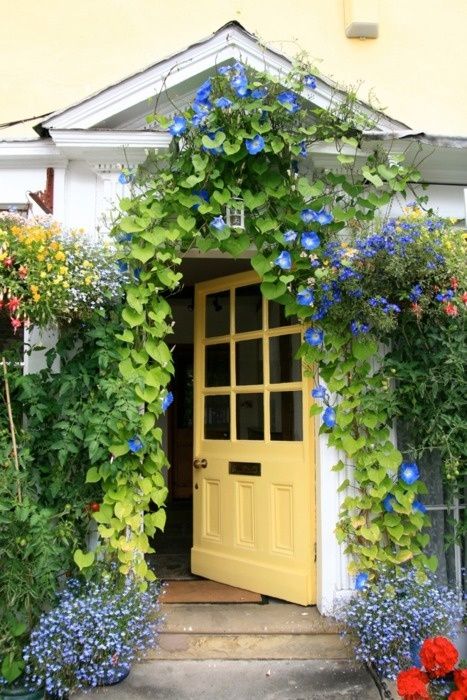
point(307, 215)
point(329, 417)
point(255, 145)
point(135, 444)
point(218, 223)
point(224, 70)
point(314, 336)
point(283, 260)
point(310, 82)
point(305, 297)
point(310, 240)
point(290, 236)
point(356, 328)
point(223, 103)
point(324, 217)
point(202, 194)
point(409, 472)
point(419, 507)
point(387, 503)
point(239, 84)
point(288, 100)
point(124, 178)
point(319, 392)
point(167, 401)
point(125, 237)
point(361, 580)
point(203, 92)
point(259, 93)
point(303, 150)
point(178, 126)
point(122, 266)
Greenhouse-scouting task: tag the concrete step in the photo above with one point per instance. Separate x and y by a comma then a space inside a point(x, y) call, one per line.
point(247, 631)
point(242, 680)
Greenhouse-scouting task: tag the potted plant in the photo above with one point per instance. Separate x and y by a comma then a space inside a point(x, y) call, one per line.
point(437, 675)
point(34, 546)
point(93, 635)
point(390, 619)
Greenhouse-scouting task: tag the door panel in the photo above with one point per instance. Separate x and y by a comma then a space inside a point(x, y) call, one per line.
point(254, 507)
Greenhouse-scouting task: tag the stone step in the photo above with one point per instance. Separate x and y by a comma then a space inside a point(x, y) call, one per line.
point(248, 631)
point(250, 646)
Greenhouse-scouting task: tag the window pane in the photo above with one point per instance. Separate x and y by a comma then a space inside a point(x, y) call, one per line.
point(248, 309)
point(217, 314)
point(282, 365)
point(218, 365)
point(217, 417)
point(250, 417)
point(286, 415)
point(277, 316)
point(249, 362)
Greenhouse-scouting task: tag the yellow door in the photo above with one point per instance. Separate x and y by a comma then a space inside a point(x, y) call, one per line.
point(253, 472)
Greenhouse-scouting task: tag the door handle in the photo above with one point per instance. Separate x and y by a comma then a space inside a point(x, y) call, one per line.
point(200, 463)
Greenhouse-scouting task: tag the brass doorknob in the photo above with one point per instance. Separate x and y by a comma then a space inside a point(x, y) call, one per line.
point(200, 463)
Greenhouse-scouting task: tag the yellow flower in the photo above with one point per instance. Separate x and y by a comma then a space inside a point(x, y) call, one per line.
point(63, 270)
point(88, 280)
point(60, 255)
point(87, 263)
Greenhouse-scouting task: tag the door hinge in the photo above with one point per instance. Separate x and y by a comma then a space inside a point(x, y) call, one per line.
point(315, 549)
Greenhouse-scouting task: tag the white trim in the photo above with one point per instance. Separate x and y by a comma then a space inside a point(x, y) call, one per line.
point(30, 153)
point(229, 43)
point(107, 145)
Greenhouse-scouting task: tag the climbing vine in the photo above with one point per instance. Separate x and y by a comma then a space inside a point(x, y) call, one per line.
point(320, 249)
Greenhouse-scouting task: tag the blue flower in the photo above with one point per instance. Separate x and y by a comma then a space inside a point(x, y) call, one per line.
point(305, 297)
point(361, 580)
point(283, 260)
point(288, 100)
point(125, 237)
point(218, 223)
point(178, 126)
point(310, 240)
point(202, 194)
point(329, 417)
point(314, 336)
point(223, 103)
point(259, 93)
point(303, 150)
point(122, 266)
point(409, 472)
point(356, 328)
point(255, 145)
point(307, 215)
point(419, 507)
point(203, 92)
point(319, 392)
point(135, 444)
point(167, 401)
point(387, 503)
point(310, 82)
point(124, 178)
point(324, 217)
point(239, 84)
point(224, 70)
point(290, 236)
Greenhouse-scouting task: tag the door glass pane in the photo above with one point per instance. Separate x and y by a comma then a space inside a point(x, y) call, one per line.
point(250, 417)
point(282, 365)
point(286, 415)
point(218, 365)
point(249, 361)
point(248, 309)
point(277, 316)
point(217, 417)
point(217, 314)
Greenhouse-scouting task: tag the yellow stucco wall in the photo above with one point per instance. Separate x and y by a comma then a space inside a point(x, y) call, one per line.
point(56, 52)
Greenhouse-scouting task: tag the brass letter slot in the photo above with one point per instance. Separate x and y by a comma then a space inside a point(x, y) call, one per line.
point(245, 468)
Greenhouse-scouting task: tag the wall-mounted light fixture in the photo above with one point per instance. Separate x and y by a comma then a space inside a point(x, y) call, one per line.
point(235, 215)
point(361, 19)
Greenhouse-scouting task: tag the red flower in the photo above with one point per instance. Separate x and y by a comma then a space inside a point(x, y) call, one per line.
point(8, 262)
point(460, 679)
point(416, 309)
point(439, 656)
point(451, 309)
point(464, 297)
point(16, 323)
point(23, 271)
point(13, 304)
point(412, 684)
point(457, 695)
point(454, 282)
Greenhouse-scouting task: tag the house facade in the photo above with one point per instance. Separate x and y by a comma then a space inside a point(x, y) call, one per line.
point(265, 498)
